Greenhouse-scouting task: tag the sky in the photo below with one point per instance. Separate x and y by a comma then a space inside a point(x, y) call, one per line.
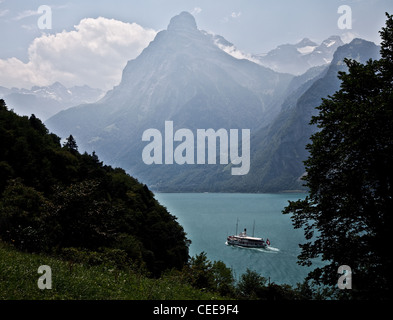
point(90, 41)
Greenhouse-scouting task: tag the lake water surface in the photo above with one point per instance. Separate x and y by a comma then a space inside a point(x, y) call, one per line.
point(208, 218)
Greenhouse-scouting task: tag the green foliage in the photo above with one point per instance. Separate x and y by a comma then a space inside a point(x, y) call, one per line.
point(251, 285)
point(23, 210)
point(216, 277)
point(200, 272)
point(224, 282)
point(53, 198)
point(211, 276)
point(111, 258)
point(82, 281)
point(347, 216)
point(78, 273)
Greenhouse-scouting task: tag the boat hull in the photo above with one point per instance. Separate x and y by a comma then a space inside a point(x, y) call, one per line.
point(246, 244)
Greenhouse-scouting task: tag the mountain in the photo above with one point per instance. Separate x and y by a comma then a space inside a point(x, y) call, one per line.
point(46, 101)
point(278, 150)
point(298, 58)
point(182, 76)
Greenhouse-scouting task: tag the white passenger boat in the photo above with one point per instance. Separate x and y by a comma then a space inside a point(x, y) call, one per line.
point(243, 240)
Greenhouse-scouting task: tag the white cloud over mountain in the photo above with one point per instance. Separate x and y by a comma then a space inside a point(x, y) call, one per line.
point(94, 53)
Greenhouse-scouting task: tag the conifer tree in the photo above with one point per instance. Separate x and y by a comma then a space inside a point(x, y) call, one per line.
point(71, 144)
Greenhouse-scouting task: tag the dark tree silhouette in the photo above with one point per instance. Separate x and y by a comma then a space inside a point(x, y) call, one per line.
point(71, 144)
point(347, 216)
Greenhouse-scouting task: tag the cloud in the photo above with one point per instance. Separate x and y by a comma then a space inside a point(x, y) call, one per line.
point(94, 53)
point(30, 13)
point(234, 52)
point(26, 14)
point(4, 12)
point(348, 36)
point(233, 15)
point(196, 10)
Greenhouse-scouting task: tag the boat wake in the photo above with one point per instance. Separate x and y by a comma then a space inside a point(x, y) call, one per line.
point(268, 249)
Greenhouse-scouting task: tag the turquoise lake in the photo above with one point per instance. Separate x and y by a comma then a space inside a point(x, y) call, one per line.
point(208, 218)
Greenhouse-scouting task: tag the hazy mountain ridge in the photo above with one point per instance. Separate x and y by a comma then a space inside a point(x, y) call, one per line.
point(46, 101)
point(278, 150)
point(298, 58)
point(183, 76)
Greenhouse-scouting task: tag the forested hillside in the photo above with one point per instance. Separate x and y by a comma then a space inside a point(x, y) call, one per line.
point(56, 200)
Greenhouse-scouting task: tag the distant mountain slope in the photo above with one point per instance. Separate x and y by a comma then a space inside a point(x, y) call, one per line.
point(46, 101)
point(217, 178)
point(298, 58)
point(181, 76)
point(278, 150)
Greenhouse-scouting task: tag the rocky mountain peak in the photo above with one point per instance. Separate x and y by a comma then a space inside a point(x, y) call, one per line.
point(183, 21)
point(306, 42)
